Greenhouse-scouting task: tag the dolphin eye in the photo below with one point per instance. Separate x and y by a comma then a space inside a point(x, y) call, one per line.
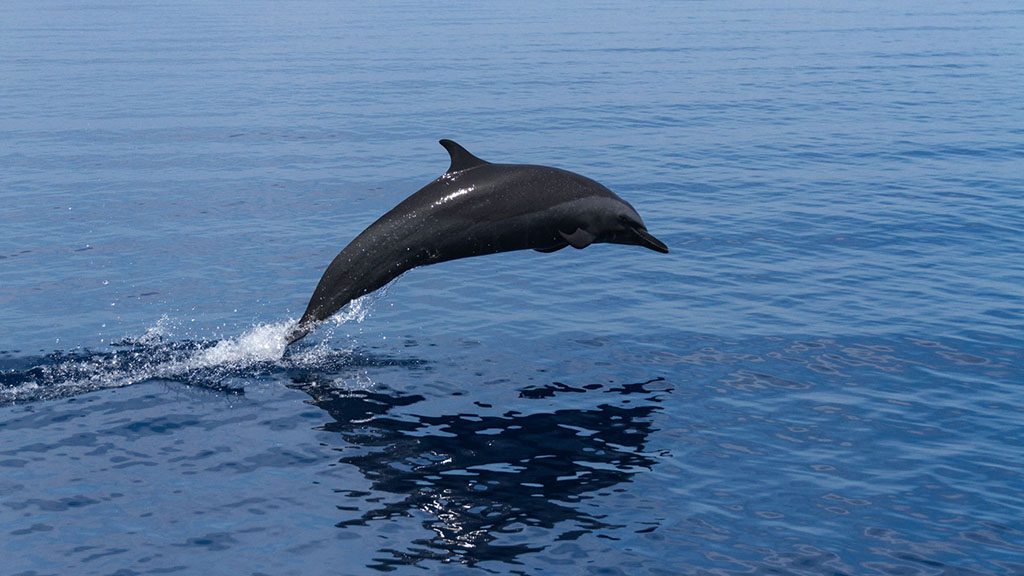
point(628, 221)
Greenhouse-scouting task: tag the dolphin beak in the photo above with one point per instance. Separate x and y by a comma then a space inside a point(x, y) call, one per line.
point(647, 240)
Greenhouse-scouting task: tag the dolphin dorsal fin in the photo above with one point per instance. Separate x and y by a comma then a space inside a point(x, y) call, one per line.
point(461, 158)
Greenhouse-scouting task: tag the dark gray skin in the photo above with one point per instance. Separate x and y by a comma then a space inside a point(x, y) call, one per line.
point(473, 209)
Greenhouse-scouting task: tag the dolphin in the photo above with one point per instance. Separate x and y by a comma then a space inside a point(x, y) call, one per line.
point(475, 208)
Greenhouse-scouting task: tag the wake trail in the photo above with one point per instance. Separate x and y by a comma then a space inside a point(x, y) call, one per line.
point(157, 355)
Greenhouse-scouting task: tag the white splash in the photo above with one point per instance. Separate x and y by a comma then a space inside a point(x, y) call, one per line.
point(155, 355)
point(263, 343)
point(358, 309)
point(155, 333)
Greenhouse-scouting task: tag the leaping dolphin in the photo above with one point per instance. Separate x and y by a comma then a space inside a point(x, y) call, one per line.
point(475, 208)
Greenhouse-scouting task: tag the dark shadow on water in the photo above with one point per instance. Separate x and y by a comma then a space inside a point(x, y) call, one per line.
point(491, 487)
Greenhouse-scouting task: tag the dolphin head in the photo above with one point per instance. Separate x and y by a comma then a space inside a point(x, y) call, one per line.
point(596, 214)
point(628, 228)
point(631, 230)
point(612, 220)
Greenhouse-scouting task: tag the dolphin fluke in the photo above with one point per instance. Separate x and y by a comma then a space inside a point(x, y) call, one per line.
point(298, 332)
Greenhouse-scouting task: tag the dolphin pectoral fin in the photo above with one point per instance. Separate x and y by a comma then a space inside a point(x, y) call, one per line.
point(579, 239)
point(647, 240)
point(552, 248)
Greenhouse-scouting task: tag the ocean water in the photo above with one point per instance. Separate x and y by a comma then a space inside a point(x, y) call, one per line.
point(824, 376)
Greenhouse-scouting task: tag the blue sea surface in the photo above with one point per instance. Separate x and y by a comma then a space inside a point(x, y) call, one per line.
point(824, 376)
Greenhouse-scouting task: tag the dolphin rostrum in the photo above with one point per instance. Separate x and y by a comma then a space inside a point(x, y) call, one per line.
point(475, 208)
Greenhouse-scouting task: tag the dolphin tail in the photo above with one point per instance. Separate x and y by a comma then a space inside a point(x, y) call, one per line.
point(298, 332)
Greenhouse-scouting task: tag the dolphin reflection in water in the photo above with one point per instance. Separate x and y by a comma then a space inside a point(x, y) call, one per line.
point(474, 483)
